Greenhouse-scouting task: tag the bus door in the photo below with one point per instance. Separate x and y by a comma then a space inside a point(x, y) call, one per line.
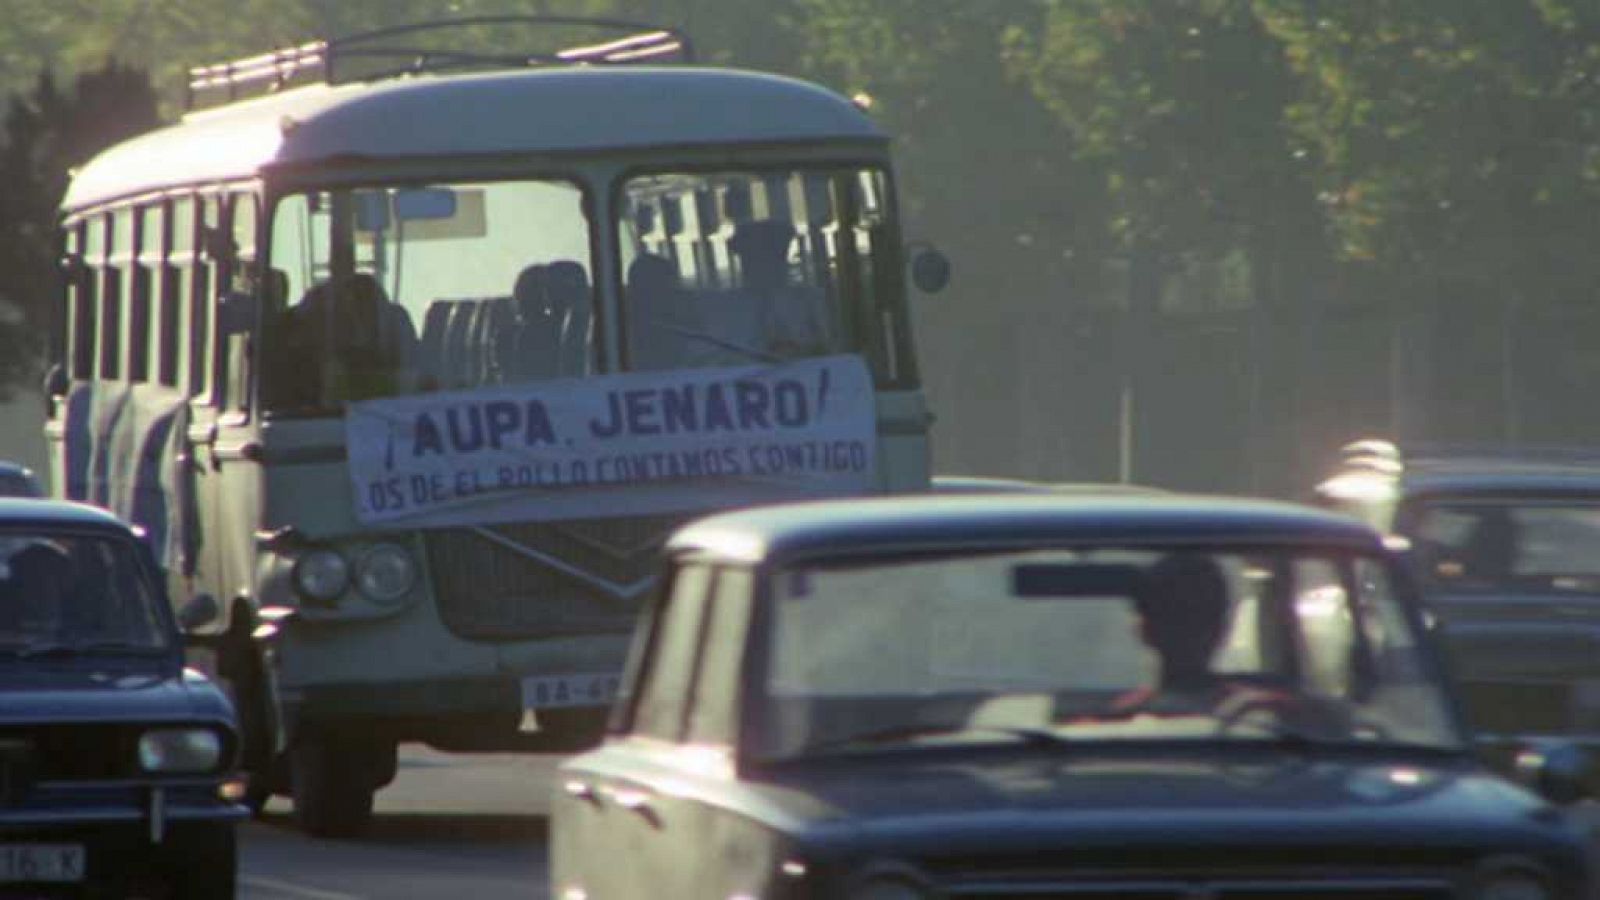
point(220, 427)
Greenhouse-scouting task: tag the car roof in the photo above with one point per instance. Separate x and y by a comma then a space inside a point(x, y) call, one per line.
point(564, 110)
point(57, 513)
point(1473, 474)
point(977, 484)
point(1441, 475)
point(909, 522)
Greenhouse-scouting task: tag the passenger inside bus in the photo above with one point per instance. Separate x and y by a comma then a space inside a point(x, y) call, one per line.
point(543, 332)
point(782, 319)
point(663, 315)
point(568, 288)
point(533, 347)
point(344, 342)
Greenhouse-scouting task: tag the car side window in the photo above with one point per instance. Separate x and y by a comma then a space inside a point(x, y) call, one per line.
point(1327, 628)
point(669, 669)
point(713, 711)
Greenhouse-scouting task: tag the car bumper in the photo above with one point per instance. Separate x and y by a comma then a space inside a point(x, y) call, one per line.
point(123, 838)
point(150, 809)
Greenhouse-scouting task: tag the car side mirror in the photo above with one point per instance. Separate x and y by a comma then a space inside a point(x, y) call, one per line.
point(56, 381)
point(200, 611)
point(55, 387)
point(930, 270)
point(1555, 770)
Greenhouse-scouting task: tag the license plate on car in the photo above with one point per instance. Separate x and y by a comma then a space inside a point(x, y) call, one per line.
point(554, 691)
point(54, 863)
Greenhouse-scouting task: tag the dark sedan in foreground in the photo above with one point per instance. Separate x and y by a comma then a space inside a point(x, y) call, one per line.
point(1040, 696)
point(113, 758)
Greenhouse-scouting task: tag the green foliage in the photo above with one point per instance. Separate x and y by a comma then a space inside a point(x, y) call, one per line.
point(45, 133)
point(1457, 135)
point(1281, 155)
point(1179, 102)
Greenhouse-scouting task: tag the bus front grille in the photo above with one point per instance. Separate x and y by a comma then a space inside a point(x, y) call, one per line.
point(510, 582)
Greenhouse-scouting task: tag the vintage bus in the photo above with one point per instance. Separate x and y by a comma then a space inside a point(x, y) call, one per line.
point(407, 355)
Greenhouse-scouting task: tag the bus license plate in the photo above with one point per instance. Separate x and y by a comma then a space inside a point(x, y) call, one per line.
point(56, 863)
point(551, 692)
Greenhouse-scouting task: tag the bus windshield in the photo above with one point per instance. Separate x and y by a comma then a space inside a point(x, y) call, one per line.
point(388, 290)
point(395, 289)
point(734, 268)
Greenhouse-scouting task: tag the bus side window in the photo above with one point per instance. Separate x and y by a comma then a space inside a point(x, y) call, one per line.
point(237, 314)
point(142, 321)
point(208, 274)
point(132, 333)
point(82, 245)
point(109, 336)
point(165, 298)
point(181, 274)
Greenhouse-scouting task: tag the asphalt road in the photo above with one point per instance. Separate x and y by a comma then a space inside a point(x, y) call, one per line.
point(469, 826)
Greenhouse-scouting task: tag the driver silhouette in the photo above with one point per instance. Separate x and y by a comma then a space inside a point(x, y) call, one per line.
point(1182, 603)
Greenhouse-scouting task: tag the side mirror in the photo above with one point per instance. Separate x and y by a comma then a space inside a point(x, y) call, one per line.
point(1556, 770)
point(200, 611)
point(56, 381)
point(930, 270)
point(55, 386)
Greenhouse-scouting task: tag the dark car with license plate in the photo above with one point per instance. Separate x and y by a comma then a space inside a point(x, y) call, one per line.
point(1505, 543)
point(115, 759)
point(1030, 695)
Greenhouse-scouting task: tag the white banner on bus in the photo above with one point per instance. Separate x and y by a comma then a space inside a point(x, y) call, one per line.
point(632, 444)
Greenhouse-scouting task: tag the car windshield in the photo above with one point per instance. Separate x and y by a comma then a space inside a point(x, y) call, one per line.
point(68, 593)
point(1534, 547)
point(1122, 643)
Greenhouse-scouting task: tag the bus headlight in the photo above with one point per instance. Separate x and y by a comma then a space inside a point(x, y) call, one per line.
point(386, 573)
point(180, 751)
point(322, 575)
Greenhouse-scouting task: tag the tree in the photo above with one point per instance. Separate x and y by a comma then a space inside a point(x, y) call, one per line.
point(46, 133)
point(1458, 156)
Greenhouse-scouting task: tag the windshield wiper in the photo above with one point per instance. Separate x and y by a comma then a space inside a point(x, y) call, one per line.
point(1033, 736)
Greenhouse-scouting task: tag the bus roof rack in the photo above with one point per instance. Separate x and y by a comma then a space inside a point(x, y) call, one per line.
point(424, 47)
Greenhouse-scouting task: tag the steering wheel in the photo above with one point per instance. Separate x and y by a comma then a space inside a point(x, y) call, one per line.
point(1297, 715)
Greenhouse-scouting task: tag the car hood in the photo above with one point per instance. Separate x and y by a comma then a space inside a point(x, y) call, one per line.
point(109, 692)
point(1240, 798)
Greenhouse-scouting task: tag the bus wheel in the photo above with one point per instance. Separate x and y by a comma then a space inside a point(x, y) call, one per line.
point(334, 776)
point(574, 728)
